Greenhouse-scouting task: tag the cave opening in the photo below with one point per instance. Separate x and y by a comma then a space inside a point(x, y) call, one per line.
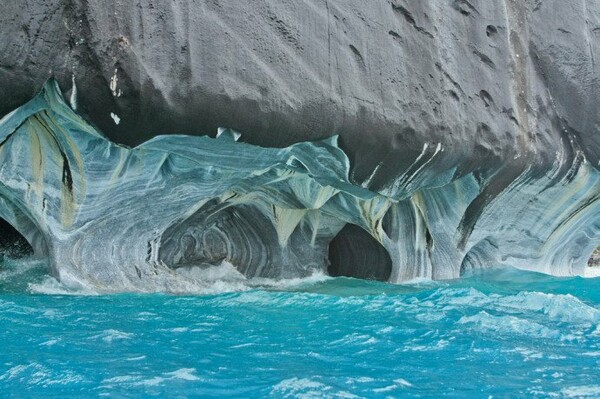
point(12, 243)
point(353, 252)
point(238, 234)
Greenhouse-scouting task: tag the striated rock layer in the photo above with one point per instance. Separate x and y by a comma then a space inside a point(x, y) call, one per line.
point(468, 136)
point(149, 218)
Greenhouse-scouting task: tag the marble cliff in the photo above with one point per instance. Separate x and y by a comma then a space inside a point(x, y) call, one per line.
point(381, 139)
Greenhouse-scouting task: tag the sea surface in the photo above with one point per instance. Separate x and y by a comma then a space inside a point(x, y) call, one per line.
point(494, 334)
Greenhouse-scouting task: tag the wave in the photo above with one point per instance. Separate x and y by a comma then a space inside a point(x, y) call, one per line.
point(30, 275)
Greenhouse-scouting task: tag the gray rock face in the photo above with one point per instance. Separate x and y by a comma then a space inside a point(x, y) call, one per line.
point(500, 84)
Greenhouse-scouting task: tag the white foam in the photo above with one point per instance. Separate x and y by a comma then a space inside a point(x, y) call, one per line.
point(38, 374)
point(136, 358)
point(112, 335)
point(399, 383)
point(184, 374)
point(591, 354)
point(403, 382)
point(291, 283)
point(51, 286)
point(591, 272)
point(419, 281)
point(302, 388)
point(151, 382)
point(527, 353)
point(583, 391)
point(242, 345)
point(564, 308)
point(385, 389)
point(508, 325)
point(226, 278)
point(187, 374)
point(119, 378)
point(18, 269)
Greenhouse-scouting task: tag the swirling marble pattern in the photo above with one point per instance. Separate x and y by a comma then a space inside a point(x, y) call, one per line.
point(114, 218)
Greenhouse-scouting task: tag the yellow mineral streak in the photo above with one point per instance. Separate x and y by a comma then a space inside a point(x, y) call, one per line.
point(372, 212)
point(118, 168)
point(54, 159)
point(37, 166)
point(286, 221)
point(67, 207)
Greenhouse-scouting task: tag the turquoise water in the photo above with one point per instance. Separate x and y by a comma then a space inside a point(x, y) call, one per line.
point(502, 333)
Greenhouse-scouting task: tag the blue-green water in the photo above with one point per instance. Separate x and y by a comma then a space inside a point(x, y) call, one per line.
point(502, 333)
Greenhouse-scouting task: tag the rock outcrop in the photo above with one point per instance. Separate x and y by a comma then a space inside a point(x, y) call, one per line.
point(476, 122)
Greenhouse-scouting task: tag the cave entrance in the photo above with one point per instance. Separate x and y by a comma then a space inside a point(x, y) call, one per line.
point(355, 253)
point(217, 232)
point(12, 243)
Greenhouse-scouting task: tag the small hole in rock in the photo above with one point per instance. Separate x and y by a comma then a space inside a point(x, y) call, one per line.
point(355, 253)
